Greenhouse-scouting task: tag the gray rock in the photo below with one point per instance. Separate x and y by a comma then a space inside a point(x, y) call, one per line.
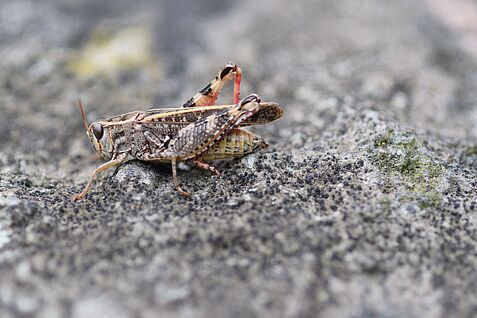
point(363, 205)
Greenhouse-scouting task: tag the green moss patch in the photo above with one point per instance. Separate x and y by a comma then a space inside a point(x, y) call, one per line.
point(401, 154)
point(471, 151)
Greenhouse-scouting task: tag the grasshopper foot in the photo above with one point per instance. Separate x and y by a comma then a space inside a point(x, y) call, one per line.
point(78, 197)
point(182, 192)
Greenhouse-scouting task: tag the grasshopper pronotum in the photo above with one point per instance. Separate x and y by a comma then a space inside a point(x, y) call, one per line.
point(197, 132)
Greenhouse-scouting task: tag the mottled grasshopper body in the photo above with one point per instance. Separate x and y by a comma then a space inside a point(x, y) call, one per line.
point(198, 132)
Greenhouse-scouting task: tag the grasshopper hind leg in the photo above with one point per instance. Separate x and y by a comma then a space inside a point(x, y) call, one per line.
point(206, 166)
point(209, 94)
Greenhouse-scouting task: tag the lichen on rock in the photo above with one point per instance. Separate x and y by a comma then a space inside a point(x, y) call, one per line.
point(401, 154)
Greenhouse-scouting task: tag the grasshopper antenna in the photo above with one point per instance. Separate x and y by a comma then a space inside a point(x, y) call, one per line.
point(81, 109)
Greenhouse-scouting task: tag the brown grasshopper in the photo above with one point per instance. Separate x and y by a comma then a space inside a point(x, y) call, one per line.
point(199, 131)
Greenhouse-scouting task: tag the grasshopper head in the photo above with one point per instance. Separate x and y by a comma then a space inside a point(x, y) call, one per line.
point(247, 107)
point(98, 135)
point(251, 103)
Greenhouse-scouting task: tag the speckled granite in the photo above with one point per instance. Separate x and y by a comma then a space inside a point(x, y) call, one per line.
point(364, 205)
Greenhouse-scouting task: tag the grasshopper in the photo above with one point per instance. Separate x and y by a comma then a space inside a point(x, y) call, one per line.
point(198, 131)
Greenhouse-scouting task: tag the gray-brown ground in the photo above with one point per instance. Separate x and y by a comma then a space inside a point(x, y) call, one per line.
point(363, 206)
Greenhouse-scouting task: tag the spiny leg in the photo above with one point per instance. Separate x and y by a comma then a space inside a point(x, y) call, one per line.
point(104, 166)
point(208, 95)
point(237, 81)
point(175, 180)
point(206, 166)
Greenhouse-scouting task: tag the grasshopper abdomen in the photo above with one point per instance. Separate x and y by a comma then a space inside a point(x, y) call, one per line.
point(237, 143)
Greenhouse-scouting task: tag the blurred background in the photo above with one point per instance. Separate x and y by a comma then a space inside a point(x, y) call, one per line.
point(412, 59)
point(363, 206)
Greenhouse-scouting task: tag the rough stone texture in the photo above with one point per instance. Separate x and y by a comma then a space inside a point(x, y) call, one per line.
point(363, 206)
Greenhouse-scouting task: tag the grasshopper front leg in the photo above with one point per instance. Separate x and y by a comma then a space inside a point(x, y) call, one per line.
point(209, 94)
point(112, 163)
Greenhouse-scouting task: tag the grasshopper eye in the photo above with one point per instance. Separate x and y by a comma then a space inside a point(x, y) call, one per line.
point(249, 99)
point(98, 130)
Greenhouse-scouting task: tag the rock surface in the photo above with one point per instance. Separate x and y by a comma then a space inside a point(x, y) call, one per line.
point(363, 206)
